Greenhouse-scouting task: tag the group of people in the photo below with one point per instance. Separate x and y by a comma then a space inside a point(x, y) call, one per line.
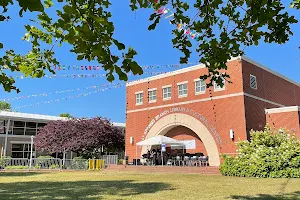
point(155, 156)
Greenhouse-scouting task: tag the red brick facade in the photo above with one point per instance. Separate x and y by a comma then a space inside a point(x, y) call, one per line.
point(238, 107)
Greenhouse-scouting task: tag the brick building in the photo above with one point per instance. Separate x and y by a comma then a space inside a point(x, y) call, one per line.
point(179, 105)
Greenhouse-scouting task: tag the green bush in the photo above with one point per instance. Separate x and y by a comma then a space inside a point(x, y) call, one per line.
point(16, 167)
point(120, 162)
point(43, 162)
point(54, 166)
point(4, 161)
point(79, 163)
point(273, 154)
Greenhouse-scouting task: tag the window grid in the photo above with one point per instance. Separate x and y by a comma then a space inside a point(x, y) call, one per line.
point(139, 98)
point(200, 86)
point(253, 82)
point(167, 93)
point(182, 90)
point(218, 87)
point(152, 96)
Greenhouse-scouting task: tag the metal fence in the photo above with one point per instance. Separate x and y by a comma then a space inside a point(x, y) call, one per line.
point(110, 159)
point(43, 163)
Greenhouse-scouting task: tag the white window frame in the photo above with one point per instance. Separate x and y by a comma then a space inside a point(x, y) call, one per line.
point(187, 87)
point(151, 91)
point(255, 82)
point(142, 98)
point(218, 88)
point(163, 94)
point(200, 92)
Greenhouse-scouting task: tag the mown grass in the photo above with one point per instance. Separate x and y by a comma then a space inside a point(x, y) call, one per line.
point(134, 185)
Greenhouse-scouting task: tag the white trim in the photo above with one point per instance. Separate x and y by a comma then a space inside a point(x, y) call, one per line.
point(172, 73)
point(188, 102)
point(199, 93)
point(249, 60)
point(16, 136)
point(184, 82)
point(207, 99)
point(153, 101)
point(200, 66)
point(283, 109)
point(139, 92)
point(29, 117)
point(152, 89)
point(262, 99)
point(197, 79)
point(219, 89)
point(20, 142)
point(195, 87)
point(166, 86)
point(117, 124)
point(182, 96)
point(167, 99)
point(251, 75)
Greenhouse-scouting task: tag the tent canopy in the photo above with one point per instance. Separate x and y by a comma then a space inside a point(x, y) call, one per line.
point(158, 140)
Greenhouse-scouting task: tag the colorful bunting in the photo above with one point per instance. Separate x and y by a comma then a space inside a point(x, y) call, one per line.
point(68, 97)
point(60, 92)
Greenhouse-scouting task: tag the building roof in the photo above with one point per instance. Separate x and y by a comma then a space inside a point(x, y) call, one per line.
point(199, 66)
point(39, 118)
point(28, 116)
point(283, 109)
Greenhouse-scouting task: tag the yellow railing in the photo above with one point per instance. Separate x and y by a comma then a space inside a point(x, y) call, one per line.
point(96, 164)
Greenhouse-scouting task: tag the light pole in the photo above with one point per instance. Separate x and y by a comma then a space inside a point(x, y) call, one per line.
point(6, 135)
point(31, 148)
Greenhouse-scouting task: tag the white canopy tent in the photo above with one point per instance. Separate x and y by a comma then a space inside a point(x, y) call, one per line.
point(158, 140)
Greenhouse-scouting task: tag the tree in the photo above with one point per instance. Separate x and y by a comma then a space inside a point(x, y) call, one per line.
point(68, 115)
point(223, 29)
point(274, 154)
point(5, 106)
point(83, 136)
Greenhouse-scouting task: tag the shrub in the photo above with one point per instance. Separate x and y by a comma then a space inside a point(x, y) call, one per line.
point(43, 161)
point(272, 154)
point(79, 163)
point(54, 166)
point(4, 161)
point(16, 167)
point(120, 162)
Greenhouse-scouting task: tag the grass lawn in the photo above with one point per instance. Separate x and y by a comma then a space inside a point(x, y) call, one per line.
point(131, 185)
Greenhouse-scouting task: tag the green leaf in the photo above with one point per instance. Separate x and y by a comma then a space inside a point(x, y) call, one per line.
point(1, 45)
point(31, 5)
point(120, 45)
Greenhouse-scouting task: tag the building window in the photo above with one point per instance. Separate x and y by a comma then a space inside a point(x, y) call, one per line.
point(152, 95)
point(139, 98)
point(182, 89)
point(21, 150)
point(200, 86)
point(217, 87)
point(167, 92)
point(253, 83)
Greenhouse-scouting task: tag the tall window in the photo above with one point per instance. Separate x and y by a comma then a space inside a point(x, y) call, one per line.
point(21, 150)
point(139, 98)
point(167, 93)
point(182, 89)
point(253, 83)
point(218, 87)
point(152, 95)
point(200, 86)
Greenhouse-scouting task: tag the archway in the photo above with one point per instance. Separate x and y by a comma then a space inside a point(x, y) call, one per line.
point(162, 126)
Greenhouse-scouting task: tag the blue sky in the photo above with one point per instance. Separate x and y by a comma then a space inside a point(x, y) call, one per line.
point(153, 47)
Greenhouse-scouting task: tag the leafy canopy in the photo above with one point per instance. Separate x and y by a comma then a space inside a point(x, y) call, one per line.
point(273, 154)
point(225, 28)
point(80, 135)
point(5, 106)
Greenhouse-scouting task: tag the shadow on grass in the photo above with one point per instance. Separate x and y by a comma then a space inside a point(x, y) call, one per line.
point(20, 173)
point(79, 189)
point(287, 196)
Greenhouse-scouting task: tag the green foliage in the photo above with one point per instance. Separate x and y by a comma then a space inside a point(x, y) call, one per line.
point(225, 28)
point(54, 166)
point(16, 167)
point(274, 154)
point(68, 115)
point(79, 163)
point(5, 106)
point(43, 161)
point(120, 161)
point(4, 161)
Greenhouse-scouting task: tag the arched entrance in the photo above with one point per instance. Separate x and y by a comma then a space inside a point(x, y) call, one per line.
point(162, 126)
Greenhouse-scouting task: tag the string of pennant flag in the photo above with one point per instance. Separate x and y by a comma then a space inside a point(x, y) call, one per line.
point(168, 13)
point(69, 97)
point(60, 92)
point(83, 75)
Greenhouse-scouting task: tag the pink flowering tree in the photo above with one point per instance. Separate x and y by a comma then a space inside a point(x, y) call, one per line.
point(83, 136)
